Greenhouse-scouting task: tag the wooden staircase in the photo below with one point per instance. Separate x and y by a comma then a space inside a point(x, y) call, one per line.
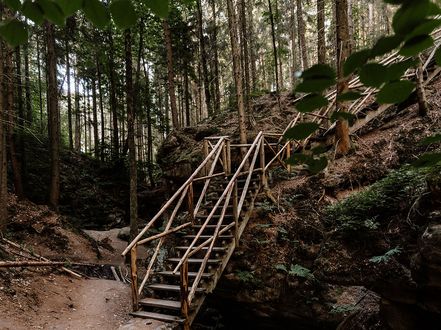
point(202, 223)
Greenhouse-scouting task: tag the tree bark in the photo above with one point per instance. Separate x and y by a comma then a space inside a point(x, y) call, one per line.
point(113, 99)
point(252, 45)
point(273, 37)
point(101, 100)
point(321, 39)
point(343, 51)
point(3, 160)
point(203, 55)
point(53, 117)
point(40, 87)
point(68, 31)
point(171, 75)
point(77, 114)
point(237, 71)
point(131, 136)
point(423, 108)
point(246, 63)
point(217, 93)
point(302, 35)
point(29, 114)
point(96, 138)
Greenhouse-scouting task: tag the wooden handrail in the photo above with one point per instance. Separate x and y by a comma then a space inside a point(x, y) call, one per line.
point(174, 197)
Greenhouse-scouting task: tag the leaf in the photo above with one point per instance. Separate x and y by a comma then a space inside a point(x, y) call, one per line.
point(70, 7)
point(311, 102)
point(14, 32)
point(431, 140)
point(416, 45)
point(316, 166)
point(341, 115)
point(318, 150)
point(52, 11)
point(397, 70)
point(281, 267)
point(301, 131)
point(348, 96)
point(385, 45)
point(355, 61)
point(297, 270)
point(123, 13)
point(395, 92)
point(13, 4)
point(314, 85)
point(159, 7)
point(425, 28)
point(33, 11)
point(319, 71)
point(410, 15)
point(298, 159)
point(427, 160)
point(373, 74)
point(96, 12)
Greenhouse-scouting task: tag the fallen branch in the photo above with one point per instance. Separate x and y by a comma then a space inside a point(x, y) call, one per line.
point(16, 264)
point(35, 255)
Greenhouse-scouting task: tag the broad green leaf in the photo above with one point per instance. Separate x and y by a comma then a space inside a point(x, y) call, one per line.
point(311, 102)
point(52, 11)
point(298, 159)
point(314, 85)
point(416, 45)
point(97, 13)
point(428, 160)
point(319, 71)
point(341, 115)
point(385, 45)
point(425, 28)
point(373, 74)
point(318, 150)
point(315, 165)
point(431, 139)
point(70, 7)
point(438, 56)
point(33, 11)
point(349, 96)
point(13, 4)
point(410, 15)
point(159, 7)
point(395, 92)
point(123, 13)
point(396, 71)
point(301, 131)
point(355, 61)
point(14, 32)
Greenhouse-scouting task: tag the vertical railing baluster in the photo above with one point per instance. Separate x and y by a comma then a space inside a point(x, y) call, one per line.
point(190, 202)
point(235, 212)
point(205, 150)
point(228, 147)
point(184, 294)
point(263, 163)
point(288, 156)
point(134, 276)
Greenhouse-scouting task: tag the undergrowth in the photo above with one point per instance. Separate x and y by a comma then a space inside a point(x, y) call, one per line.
point(371, 208)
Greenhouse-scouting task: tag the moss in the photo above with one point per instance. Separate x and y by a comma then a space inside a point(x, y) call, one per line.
point(371, 208)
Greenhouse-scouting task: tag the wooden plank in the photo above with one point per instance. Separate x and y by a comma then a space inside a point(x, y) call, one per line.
point(215, 248)
point(196, 261)
point(177, 274)
point(160, 303)
point(169, 287)
point(158, 316)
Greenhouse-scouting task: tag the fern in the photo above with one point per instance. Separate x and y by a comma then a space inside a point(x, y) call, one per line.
point(386, 257)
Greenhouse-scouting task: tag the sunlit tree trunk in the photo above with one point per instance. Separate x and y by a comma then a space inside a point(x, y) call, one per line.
point(302, 35)
point(321, 39)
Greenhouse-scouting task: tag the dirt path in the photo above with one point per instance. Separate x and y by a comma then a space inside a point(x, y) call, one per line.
point(58, 302)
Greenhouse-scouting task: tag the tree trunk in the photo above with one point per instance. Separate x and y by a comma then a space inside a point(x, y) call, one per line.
point(423, 108)
point(294, 33)
point(96, 138)
point(100, 93)
point(343, 51)
point(113, 99)
point(321, 39)
point(273, 37)
point(203, 54)
point(217, 93)
point(232, 26)
point(77, 114)
point(246, 63)
point(252, 45)
point(69, 97)
point(171, 75)
point(40, 87)
point(29, 114)
point(3, 160)
point(131, 137)
point(302, 35)
point(53, 117)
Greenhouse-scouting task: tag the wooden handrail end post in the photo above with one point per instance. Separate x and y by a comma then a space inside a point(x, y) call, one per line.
point(134, 276)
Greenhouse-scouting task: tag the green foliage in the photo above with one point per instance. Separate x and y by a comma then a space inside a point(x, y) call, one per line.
point(301, 131)
point(395, 92)
point(365, 211)
point(123, 13)
point(311, 103)
point(296, 270)
point(386, 257)
point(14, 32)
point(343, 309)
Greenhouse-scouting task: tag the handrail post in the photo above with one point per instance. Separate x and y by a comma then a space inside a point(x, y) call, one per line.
point(235, 212)
point(184, 294)
point(225, 158)
point(190, 202)
point(134, 276)
point(288, 156)
point(228, 149)
point(205, 151)
point(263, 163)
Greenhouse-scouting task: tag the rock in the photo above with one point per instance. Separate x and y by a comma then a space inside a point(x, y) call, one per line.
point(124, 234)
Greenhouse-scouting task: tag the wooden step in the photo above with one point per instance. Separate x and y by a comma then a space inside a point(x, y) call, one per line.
point(215, 216)
point(195, 261)
point(160, 303)
point(209, 236)
point(215, 248)
point(190, 274)
point(169, 287)
point(209, 226)
point(157, 316)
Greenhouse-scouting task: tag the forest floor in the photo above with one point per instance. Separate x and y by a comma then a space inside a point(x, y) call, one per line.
point(47, 298)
